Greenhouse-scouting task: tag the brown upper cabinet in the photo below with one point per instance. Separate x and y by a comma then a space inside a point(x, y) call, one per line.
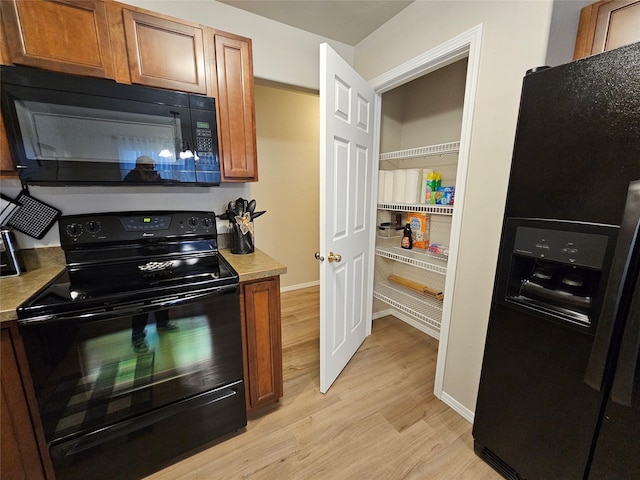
point(70, 36)
point(236, 108)
point(104, 38)
point(606, 25)
point(6, 166)
point(165, 53)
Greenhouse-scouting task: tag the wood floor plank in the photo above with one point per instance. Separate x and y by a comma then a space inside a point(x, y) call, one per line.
point(380, 419)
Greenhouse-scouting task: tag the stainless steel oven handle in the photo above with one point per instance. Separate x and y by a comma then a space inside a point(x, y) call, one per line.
point(127, 427)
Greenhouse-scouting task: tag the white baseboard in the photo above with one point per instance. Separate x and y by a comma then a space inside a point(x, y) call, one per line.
point(458, 407)
point(299, 286)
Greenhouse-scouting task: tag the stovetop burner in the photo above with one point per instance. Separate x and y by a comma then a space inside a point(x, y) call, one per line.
point(112, 260)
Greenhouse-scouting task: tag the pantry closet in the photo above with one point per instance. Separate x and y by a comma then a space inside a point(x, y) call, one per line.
point(420, 131)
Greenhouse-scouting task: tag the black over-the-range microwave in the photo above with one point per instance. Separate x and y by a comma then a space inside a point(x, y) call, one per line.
point(72, 130)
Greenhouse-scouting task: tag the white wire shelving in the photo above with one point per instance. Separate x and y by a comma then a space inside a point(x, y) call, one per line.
point(421, 259)
point(426, 310)
point(425, 151)
point(417, 207)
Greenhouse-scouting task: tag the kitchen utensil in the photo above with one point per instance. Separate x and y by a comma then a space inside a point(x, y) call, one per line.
point(239, 207)
point(34, 217)
point(251, 207)
point(257, 214)
point(11, 263)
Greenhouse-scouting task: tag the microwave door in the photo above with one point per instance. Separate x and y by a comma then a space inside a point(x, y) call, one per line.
point(98, 140)
point(62, 137)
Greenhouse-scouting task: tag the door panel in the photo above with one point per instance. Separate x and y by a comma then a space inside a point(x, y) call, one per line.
point(165, 53)
point(236, 103)
point(346, 174)
point(65, 36)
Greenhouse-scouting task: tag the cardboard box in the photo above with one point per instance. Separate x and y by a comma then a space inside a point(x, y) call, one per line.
point(419, 223)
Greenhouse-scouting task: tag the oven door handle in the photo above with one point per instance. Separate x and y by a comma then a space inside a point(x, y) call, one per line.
point(128, 427)
point(129, 309)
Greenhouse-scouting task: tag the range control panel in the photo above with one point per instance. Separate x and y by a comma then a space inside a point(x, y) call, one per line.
point(132, 227)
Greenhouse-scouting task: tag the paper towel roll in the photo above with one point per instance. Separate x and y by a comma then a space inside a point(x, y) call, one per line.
point(381, 182)
point(388, 187)
point(399, 177)
point(412, 185)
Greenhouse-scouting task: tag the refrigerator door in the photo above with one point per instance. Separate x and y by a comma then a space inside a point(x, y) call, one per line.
point(577, 145)
point(617, 450)
point(535, 416)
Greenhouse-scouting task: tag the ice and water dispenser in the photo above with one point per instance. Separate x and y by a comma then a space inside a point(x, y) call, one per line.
point(555, 268)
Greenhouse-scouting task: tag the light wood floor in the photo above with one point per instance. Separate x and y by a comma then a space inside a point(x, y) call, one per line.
point(379, 420)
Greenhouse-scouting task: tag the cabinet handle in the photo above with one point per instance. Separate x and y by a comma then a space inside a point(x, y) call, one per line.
point(319, 257)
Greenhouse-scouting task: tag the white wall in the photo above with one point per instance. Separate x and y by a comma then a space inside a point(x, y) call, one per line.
point(515, 39)
point(563, 31)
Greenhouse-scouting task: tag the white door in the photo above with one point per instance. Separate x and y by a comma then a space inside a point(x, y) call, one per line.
point(347, 169)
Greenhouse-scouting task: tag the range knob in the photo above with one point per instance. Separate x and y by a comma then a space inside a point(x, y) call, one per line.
point(193, 222)
point(74, 229)
point(206, 222)
point(92, 226)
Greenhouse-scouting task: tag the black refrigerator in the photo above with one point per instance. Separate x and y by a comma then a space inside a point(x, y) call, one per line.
point(558, 395)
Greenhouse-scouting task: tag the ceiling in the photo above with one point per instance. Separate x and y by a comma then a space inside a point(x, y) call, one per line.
point(343, 20)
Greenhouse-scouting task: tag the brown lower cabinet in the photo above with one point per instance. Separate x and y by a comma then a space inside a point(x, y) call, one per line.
point(262, 342)
point(21, 458)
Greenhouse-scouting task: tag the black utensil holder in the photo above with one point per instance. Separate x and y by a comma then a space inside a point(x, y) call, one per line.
point(241, 243)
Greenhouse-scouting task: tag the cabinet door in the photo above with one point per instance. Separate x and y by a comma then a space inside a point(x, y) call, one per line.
point(19, 456)
point(6, 165)
point(165, 53)
point(606, 25)
point(236, 119)
point(263, 341)
point(70, 36)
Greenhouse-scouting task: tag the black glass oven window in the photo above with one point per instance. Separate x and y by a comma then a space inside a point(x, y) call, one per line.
point(92, 374)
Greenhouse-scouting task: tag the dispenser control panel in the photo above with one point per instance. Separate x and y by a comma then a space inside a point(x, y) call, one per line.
point(573, 248)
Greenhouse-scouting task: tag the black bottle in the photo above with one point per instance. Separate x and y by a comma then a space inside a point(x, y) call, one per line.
point(407, 239)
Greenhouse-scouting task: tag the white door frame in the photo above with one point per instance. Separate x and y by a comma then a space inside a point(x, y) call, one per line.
point(464, 45)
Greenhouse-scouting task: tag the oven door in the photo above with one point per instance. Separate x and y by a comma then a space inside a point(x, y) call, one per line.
point(131, 390)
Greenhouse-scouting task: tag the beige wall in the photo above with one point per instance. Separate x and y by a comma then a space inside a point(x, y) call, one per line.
point(515, 39)
point(287, 130)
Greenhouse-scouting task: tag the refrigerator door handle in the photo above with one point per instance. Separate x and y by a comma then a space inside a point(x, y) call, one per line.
point(625, 376)
point(618, 286)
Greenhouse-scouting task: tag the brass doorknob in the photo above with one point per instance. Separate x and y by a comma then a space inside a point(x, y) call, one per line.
point(319, 257)
point(334, 257)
